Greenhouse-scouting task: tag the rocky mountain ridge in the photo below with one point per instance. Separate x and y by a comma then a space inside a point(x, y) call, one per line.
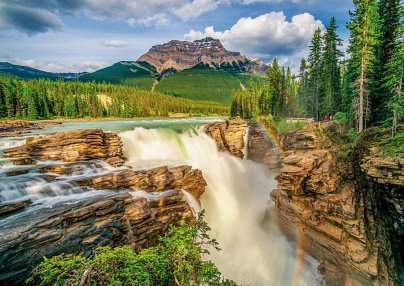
point(180, 55)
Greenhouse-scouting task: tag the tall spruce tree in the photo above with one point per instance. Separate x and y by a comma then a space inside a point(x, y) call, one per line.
point(362, 44)
point(314, 60)
point(275, 84)
point(388, 100)
point(393, 69)
point(330, 76)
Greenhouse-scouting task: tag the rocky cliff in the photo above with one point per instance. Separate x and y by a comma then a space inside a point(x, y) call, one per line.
point(323, 198)
point(180, 55)
point(232, 134)
point(229, 135)
point(133, 206)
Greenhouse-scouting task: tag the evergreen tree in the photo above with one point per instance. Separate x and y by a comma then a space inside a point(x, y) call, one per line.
point(394, 68)
point(315, 71)
point(390, 62)
point(275, 84)
point(330, 78)
point(362, 43)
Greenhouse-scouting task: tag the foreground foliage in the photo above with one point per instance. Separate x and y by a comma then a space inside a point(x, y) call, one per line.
point(176, 260)
point(40, 99)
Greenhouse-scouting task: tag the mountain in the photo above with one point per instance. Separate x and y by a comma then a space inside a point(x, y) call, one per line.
point(31, 73)
point(181, 55)
point(139, 74)
point(200, 70)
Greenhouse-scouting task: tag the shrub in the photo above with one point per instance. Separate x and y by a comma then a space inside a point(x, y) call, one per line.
point(176, 260)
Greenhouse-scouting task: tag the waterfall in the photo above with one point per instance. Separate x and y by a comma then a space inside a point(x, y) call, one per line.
point(254, 252)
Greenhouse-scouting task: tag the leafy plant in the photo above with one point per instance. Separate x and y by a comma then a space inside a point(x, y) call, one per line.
point(176, 260)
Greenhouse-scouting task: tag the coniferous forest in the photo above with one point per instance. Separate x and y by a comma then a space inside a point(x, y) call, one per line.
point(42, 99)
point(364, 86)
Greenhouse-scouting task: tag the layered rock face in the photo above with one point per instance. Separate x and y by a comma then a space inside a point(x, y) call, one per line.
point(131, 207)
point(79, 228)
point(319, 200)
point(182, 55)
point(229, 135)
point(72, 146)
point(261, 148)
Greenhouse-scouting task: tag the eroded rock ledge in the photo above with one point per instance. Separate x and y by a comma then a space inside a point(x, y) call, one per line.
point(79, 228)
point(120, 214)
point(229, 135)
point(322, 199)
point(72, 146)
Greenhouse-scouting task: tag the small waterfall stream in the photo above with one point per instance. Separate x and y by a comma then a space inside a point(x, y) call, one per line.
point(254, 252)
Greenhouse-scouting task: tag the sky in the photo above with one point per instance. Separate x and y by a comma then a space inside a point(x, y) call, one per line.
point(86, 35)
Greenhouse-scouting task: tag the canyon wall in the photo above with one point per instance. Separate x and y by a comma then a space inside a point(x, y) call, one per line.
point(337, 205)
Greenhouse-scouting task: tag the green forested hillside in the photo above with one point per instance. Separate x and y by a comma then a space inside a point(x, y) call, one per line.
point(40, 99)
point(135, 74)
point(203, 83)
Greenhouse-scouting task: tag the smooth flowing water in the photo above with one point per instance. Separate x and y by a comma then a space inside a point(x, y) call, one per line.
point(254, 252)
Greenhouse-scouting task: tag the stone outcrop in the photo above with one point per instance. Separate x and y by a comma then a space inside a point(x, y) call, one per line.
point(180, 55)
point(261, 148)
point(6, 208)
point(320, 199)
point(384, 170)
point(10, 128)
point(154, 180)
point(79, 228)
point(229, 135)
point(72, 146)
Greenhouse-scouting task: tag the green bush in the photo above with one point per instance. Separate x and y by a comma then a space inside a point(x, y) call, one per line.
point(176, 260)
point(393, 146)
point(283, 126)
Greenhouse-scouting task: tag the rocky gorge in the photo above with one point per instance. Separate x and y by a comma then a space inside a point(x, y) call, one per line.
point(133, 207)
point(344, 210)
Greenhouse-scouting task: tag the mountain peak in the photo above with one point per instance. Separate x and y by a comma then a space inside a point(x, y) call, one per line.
point(182, 55)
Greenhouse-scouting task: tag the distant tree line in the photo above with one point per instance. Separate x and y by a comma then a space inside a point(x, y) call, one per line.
point(366, 87)
point(41, 99)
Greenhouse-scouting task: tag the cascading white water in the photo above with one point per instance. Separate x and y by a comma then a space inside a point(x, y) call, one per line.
point(254, 252)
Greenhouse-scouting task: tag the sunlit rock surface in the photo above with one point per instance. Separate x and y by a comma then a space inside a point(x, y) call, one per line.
point(323, 201)
point(71, 146)
point(229, 135)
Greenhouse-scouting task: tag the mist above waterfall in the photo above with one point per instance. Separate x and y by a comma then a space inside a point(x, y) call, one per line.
point(254, 251)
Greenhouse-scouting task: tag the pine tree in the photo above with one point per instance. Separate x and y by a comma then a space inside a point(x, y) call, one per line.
point(314, 60)
point(362, 43)
point(274, 78)
point(330, 76)
point(393, 71)
point(390, 62)
point(303, 98)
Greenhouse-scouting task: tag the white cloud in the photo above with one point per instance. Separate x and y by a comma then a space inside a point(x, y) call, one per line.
point(266, 36)
point(155, 20)
point(114, 44)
